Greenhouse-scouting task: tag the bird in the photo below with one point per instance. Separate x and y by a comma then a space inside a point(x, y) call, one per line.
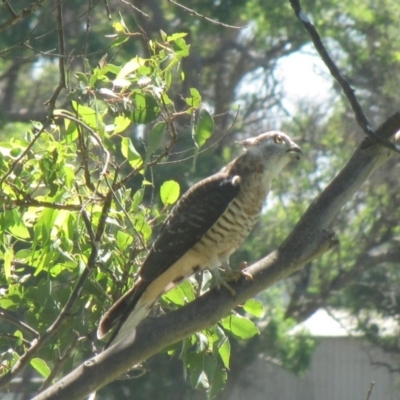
point(207, 225)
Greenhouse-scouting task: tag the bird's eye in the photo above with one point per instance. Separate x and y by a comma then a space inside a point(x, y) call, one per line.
point(278, 139)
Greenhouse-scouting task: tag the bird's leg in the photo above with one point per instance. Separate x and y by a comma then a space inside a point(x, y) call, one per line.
point(220, 281)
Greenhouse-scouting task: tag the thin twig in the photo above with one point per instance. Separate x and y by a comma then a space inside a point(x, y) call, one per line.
point(59, 363)
point(15, 18)
point(370, 390)
point(143, 14)
point(196, 14)
point(22, 155)
point(51, 102)
point(334, 70)
point(21, 325)
point(10, 9)
point(45, 204)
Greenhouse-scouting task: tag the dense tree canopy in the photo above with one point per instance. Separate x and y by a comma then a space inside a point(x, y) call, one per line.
point(109, 110)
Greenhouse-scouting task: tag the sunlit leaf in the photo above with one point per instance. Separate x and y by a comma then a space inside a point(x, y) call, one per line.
point(8, 257)
point(130, 153)
point(254, 307)
point(123, 240)
point(195, 99)
point(169, 192)
point(204, 128)
point(121, 123)
point(224, 351)
point(239, 326)
point(41, 367)
point(131, 66)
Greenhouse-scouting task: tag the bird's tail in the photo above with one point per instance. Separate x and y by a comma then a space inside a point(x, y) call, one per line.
point(125, 315)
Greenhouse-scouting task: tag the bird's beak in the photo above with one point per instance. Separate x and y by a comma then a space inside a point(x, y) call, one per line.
point(295, 151)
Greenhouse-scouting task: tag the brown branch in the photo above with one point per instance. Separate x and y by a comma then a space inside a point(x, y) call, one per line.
point(143, 14)
point(306, 241)
point(16, 18)
point(196, 14)
point(46, 204)
point(335, 72)
point(21, 325)
point(51, 102)
point(59, 363)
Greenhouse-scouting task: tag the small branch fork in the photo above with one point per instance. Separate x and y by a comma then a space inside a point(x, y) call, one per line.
point(334, 70)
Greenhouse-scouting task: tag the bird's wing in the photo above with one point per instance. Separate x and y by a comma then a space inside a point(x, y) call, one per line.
point(195, 213)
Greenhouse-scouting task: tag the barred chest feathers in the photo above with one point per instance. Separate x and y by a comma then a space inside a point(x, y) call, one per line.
point(235, 224)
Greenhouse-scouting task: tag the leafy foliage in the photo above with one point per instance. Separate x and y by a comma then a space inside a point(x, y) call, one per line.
point(73, 233)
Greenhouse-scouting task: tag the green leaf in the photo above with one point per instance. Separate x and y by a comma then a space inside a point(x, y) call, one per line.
point(146, 109)
point(130, 153)
point(204, 128)
point(87, 114)
point(169, 192)
point(118, 26)
point(41, 367)
point(155, 137)
point(181, 294)
point(120, 124)
point(195, 99)
point(218, 383)
point(82, 78)
point(137, 199)
point(123, 240)
point(18, 228)
point(239, 326)
point(202, 369)
point(8, 257)
point(175, 296)
point(142, 226)
point(175, 36)
point(254, 307)
point(224, 351)
point(131, 66)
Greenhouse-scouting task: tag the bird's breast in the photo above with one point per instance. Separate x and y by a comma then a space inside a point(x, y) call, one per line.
point(235, 224)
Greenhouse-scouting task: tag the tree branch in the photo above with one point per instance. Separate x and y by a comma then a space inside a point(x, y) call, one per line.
point(334, 70)
point(196, 14)
point(16, 18)
point(308, 240)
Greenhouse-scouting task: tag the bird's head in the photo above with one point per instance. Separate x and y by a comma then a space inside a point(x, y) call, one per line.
point(275, 149)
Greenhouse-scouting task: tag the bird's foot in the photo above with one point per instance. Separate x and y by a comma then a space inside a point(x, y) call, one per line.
point(235, 276)
point(223, 281)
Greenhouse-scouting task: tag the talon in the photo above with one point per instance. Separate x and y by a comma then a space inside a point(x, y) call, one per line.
point(246, 275)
